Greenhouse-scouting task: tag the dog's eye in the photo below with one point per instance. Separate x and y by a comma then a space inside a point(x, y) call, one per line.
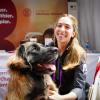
point(35, 47)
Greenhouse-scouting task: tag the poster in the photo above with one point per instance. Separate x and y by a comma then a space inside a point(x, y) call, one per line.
point(18, 17)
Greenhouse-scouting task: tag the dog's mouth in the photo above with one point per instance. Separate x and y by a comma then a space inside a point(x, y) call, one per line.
point(47, 67)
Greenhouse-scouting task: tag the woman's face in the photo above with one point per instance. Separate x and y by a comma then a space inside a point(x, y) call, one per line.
point(64, 30)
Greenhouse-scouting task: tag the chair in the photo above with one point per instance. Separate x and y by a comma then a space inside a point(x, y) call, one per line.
point(94, 91)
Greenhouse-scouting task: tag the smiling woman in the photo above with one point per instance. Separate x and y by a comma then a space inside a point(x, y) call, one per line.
point(70, 75)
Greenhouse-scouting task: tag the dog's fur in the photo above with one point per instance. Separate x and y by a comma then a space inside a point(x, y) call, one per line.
point(30, 72)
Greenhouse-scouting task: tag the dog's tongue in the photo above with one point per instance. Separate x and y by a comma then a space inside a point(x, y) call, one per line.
point(52, 67)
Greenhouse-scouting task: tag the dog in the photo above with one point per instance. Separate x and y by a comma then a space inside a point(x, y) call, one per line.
point(30, 70)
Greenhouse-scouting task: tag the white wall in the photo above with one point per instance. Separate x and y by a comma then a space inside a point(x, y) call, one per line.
point(89, 22)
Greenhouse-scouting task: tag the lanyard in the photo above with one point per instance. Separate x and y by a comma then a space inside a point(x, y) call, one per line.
point(57, 77)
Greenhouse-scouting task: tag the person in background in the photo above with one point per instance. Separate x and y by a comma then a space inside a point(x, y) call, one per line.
point(33, 36)
point(48, 37)
point(70, 75)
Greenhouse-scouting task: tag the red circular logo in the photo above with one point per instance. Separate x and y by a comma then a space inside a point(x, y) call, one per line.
point(27, 12)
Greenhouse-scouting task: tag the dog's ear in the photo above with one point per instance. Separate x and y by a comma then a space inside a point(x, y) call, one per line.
point(21, 51)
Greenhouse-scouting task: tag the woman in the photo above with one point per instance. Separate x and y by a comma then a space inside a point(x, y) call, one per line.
point(70, 74)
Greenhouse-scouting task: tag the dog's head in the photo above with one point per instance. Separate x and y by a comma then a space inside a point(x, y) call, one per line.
point(38, 57)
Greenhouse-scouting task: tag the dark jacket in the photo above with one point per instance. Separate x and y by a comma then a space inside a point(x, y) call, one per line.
point(72, 79)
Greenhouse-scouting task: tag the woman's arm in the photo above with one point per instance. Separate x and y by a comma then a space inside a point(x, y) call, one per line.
point(79, 82)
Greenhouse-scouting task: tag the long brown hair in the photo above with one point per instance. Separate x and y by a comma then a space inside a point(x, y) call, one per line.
point(76, 52)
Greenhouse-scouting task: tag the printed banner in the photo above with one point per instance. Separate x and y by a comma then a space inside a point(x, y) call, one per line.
point(18, 17)
point(4, 78)
point(4, 73)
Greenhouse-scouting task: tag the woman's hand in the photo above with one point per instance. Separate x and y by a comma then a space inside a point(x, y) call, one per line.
point(54, 96)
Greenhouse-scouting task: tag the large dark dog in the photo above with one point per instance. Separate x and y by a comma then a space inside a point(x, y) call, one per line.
point(30, 72)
